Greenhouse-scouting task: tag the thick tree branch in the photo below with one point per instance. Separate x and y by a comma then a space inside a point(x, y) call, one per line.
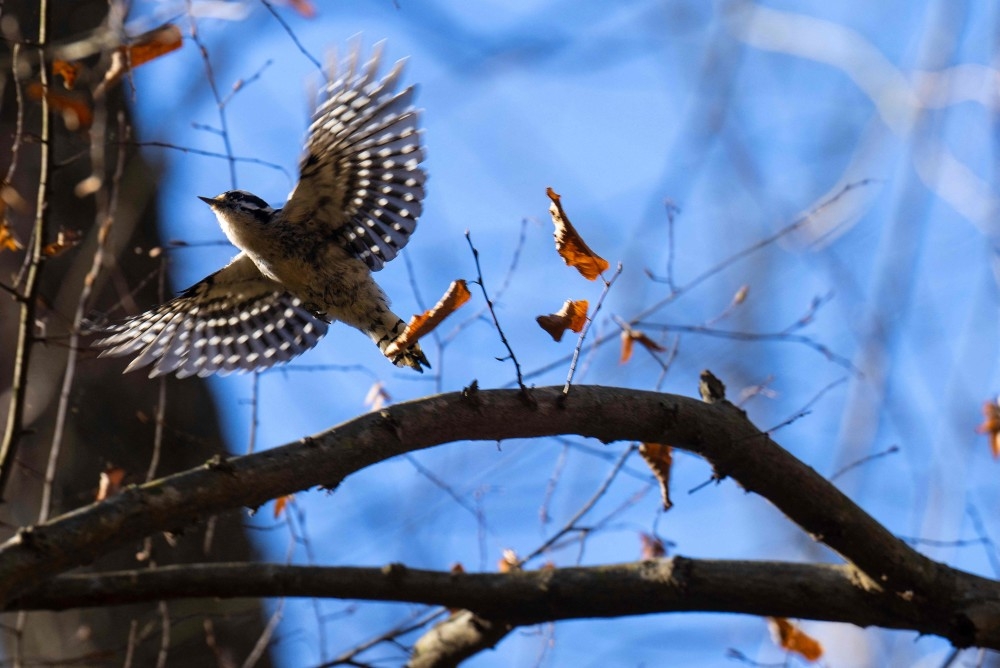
point(764, 588)
point(964, 607)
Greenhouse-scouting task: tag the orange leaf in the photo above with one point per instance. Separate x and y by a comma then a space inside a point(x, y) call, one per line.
point(660, 459)
point(68, 71)
point(792, 638)
point(570, 244)
point(509, 562)
point(280, 503)
point(65, 239)
point(572, 315)
point(652, 547)
point(303, 7)
point(153, 44)
point(422, 325)
point(7, 239)
point(990, 425)
point(631, 335)
point(110, 483)
point(75, 111)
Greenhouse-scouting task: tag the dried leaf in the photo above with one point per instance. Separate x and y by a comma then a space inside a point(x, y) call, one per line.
point(991, 425)
point(377, 396)
point(303, 7)
point(110, 482)
point(141, 50)
point(280, 503)
point(75, 111)
point(456, 568)
point(7, 239)
point(68, 71)
point(570, 245)
point(793, 639)
point(629, 336)
point(660, 459)
point(65, 239)
point(153, 44)
point(652, 547)
point(509, 562)
point(422, 325)
point(572, 315)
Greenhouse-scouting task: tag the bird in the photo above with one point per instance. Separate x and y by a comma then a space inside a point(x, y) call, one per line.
point(310, 263)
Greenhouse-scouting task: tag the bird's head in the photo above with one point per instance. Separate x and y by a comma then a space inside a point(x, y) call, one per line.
point(238, 206)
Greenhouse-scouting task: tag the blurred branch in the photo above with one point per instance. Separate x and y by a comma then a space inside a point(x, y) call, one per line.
point(26, 323)
point(959, 606)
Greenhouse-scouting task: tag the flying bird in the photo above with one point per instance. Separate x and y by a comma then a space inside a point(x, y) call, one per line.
point(309, 263)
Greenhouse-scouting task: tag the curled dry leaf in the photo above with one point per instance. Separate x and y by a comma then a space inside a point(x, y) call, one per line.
point(65, 239)
point(110, 482)
point(792, 638)
point(303, 7)
point(660, 459)
point(991, 425)
point(572, 316)
point(509, 562)
point(570, 245)
point(7, 239)
point(652, 547)
point(68, 71)
point(630, 336)
point(281, 503)
point(141, 50)
point(422, 325)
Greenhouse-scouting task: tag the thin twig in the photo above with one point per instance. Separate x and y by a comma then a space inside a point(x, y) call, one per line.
point(570, 525)
point(496, 322)
point(586, 328)
point(26, 323)
point(294, 37)
point(891, 450)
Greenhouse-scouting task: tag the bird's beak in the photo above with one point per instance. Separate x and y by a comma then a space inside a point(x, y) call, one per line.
point(211, 201)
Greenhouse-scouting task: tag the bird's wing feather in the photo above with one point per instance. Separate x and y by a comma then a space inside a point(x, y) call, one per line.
point(235, 319)
point(361, 184)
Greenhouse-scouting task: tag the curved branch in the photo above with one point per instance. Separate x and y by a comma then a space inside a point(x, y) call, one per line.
point(965, 606)
point(764, 588)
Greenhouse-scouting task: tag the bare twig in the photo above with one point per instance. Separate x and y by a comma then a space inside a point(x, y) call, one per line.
point(26, 323)
point(489, 303)
point(586, 328)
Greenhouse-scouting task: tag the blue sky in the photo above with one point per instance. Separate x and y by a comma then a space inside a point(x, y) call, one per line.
point(745, 116)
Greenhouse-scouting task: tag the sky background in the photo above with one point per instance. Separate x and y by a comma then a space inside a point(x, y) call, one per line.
point(744, 116)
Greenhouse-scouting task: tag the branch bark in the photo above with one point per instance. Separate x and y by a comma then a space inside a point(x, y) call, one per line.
point(957, 605)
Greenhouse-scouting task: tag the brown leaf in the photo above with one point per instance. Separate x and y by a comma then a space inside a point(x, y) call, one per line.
point(281, 503)
point(509, 562)
point(660, 459)
point(570, 245)
point(65, 239)
point(629, 336)
point(68, 71)
point(652, 547)
point(991, 425)
point(792, 638)
point(572, 315)
point(153, 44)
point(75, 111)
point(7, 239)
point(110, 482)
point(456, 568)
point(141, 50)
point(303, 7)
point(424, 324)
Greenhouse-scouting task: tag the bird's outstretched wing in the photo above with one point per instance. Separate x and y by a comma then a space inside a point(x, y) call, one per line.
point(235, 319)
point(361, 184)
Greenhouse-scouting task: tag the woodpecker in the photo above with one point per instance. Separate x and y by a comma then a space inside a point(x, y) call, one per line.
point(309, 263)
